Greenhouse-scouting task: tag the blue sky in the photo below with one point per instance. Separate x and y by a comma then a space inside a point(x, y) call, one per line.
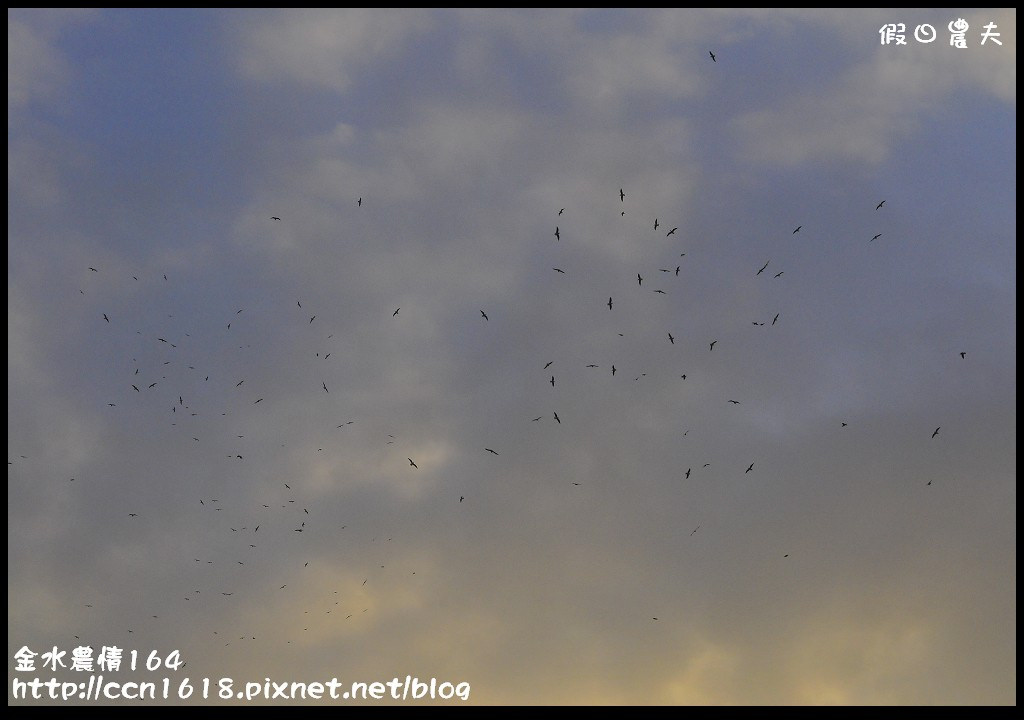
point(860, 560)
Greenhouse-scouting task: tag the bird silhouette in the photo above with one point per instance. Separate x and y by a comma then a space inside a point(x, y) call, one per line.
point(797, 229)
point(549, 365)
point(105, 317)
point(687, 473)
point(876, 237)
point(485, 315)
point(879, 204)
point(762, 269)
point(735, 402)
point(671, 339)
point(557, 419)
point(670, 232)
point(561, 211)
point(655, 223)
point(359, 202)
point(560, 270)
point(557, 236)
point(779, 273)
point(936, 431)
point(622, 195)
point(412, 463)
point(963, 355)
point(713, 344)
point(639, 280)
point(749, 469)
point(273, 217)
point(609, 303)
point(552, 381)
point(775, 318)
point(490, 451)
point(712, 56)
point(613, 370)
point(395, 312)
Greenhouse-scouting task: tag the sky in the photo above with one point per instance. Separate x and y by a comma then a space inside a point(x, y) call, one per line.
point(534, 350)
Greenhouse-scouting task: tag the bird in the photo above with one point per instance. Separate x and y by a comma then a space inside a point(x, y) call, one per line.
point(552, 381)
point(359, 202)
point(671, 339)
point(557, 419)
point(622, 195)
point(105, 317)
point(136, 388)
point(963, 355)
point(561, 211)
point(560, 270)
point(655, 223)
point(936, 431)
point(461, 498)
point(490, 451)
point(274, 217)
point(412, 463)
point(94, 269)
point(749, 469)
point(762, 269)
point(557, 235)
point(395, 312)
point(775, 318)
point(660, 291)
point(639, 280)
point(677, 269)
point(133, 514)
point(687, 473)
point(712, 56)
point(713, 344)
point(549, 365)
point(779, 273)
point(735, 402)
point(876, 237)
point(879, 204)
point(797, 229)
point(312, 319)
point(239, 383)
point(325, 386)
point(593, 366)
point(613, 370)
point(537, 418)
point(670, 232)
point(609, 303)
point(844, 424)
point(485, 315)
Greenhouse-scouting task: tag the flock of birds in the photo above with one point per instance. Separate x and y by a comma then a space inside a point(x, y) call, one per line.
point(290, 509)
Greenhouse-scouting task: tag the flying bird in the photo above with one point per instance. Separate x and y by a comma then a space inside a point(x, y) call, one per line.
point(876, 237)
point(671, 339)
point(557, 235)
point(561, 211)
point(136, 388)
point(879, 204)
point(687, 473)
point(395, 312)
point(105, 317)
point(359, 202)
point(749, 469)
point(622, 195)
point(548, 365)
point(775, 318)
point(609, 303)
point(779, 273)
point(797, 229)
point(735, 402)
point(963, 355)
point(936, 431)
point(412, 463)
point(713, 344)
point(712, 56)
point(490, 451)
point(557, 420)
point(272, 217)
point(655, 223)
point(639, 280)
point(762, 269)
point(552, 381)
point(560, 270)
point(94, 269)
point(312, 319)
point(613, 370)
point(325, 386)
point(485, 315)
point(670, 232)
